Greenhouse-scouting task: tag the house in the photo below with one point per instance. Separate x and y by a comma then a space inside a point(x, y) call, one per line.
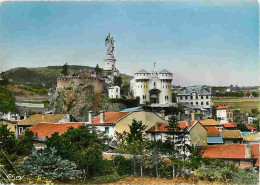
point(112, 122)
point(237, 154)
point(41, 118)
point(10, 124)
point(224, 114)
point(251, 128)
point(195, 96)
point(214, 135)
point(194, 132)
point(250, 120)
point(114, 92)
point(232, 136)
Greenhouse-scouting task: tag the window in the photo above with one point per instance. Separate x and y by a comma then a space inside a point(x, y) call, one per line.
point(20, 130)
point(116, 96)
point(207, 103)
point(181, 97)
point(207, 97)
point(116, 89)
point(186, 97)
point(107, 130)
point(154, 84)
point(197, 103)
point(201, 103)
point(191, 97)
point(191, 103)
point(197, 97)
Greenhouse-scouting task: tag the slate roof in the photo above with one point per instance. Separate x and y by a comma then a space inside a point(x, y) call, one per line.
point(143, 71)
point(165, 71)
point(42, 118)
point(231, 134)
point(201, 90)
point(230, 151)
point(44, 130)
point(109, 117)
point(209, 122)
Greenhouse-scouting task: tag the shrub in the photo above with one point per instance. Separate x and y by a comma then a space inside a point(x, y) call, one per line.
point(47, 164)
point(107, 178)
point(123, 166)
point(245, 177)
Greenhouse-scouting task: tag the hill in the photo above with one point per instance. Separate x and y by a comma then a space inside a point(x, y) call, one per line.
point(39, 77)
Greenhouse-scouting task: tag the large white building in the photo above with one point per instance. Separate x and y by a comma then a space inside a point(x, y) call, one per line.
point(154, 88)
point(195, 96)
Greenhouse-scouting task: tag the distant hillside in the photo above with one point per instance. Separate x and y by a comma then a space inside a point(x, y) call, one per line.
point(39, 77)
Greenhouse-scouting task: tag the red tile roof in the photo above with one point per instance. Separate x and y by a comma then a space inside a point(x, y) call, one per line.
point(161, 126)
point(109, 117)
point(222, 107)
point(255, 150)
point(209, 122)
point(15, 121)
point(43, 130)
point(231, 151)
point(249, 127)
point(212, 131)
point(229, 125)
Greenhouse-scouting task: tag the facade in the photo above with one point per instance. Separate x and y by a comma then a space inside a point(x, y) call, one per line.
point(112, 122)
point(224, 114)
point(153, 88)
point(10, 124)
point(114, 92)
point(195, 96)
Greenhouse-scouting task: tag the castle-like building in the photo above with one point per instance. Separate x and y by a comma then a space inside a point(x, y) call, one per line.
point(153, 88)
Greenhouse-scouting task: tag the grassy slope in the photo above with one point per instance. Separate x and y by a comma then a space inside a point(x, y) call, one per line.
point(245, 105)
point(7, 102)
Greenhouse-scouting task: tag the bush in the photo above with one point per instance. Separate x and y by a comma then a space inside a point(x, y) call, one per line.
point(107, 178)
point(123, 166)
point(245, 177)
point(49, 165)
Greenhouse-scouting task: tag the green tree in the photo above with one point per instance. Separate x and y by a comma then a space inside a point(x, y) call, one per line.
point(118, 81)
point(65, 69)
point(256, 124)
point(7, 101)
point(7, 140)
point(255, 94)
point(25, 143)
point(242, 127)
point(98, 70)
point(48, 164)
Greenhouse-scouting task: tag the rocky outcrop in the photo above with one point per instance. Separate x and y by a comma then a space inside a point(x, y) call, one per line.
point(78, 100)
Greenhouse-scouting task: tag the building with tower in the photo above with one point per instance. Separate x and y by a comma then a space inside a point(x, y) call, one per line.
point(153, 88)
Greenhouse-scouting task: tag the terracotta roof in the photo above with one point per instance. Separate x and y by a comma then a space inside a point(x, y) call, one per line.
point(212, 132)
point(255, 150)
point(42, 118)
point(229, 125)
point(257, 162)
point(209, 122)
point(231, 151)
point(222, 107)
point(15, 121)
point(249, 127)
point(43, 130)
point(231, 134)
point(160, 127)
point(109, 117)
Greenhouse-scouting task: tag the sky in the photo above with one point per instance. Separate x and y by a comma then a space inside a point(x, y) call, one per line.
point(200, 42)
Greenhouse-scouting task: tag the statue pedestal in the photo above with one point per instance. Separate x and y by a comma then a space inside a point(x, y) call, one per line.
point(110, 62)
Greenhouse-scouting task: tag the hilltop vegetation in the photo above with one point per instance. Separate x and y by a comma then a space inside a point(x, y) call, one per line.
point(7, 101)
point(38, 77)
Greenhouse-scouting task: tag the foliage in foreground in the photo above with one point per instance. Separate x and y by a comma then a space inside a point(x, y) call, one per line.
point(49, 165)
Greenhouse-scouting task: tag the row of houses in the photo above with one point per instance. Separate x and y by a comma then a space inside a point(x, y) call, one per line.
point(215, 138)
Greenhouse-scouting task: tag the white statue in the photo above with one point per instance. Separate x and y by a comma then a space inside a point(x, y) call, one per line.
point(110, 45)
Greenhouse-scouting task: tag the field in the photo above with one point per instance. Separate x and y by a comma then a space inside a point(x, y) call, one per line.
point(245, 105)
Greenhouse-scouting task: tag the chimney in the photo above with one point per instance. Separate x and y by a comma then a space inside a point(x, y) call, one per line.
point(102, 116)
point(25, 115)
point(192, 116)
point(9, 116)
point(90, 116)
point(156, 126)
point(163, 114)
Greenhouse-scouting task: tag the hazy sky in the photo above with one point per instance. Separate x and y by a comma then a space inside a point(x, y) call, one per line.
point(200, 42)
